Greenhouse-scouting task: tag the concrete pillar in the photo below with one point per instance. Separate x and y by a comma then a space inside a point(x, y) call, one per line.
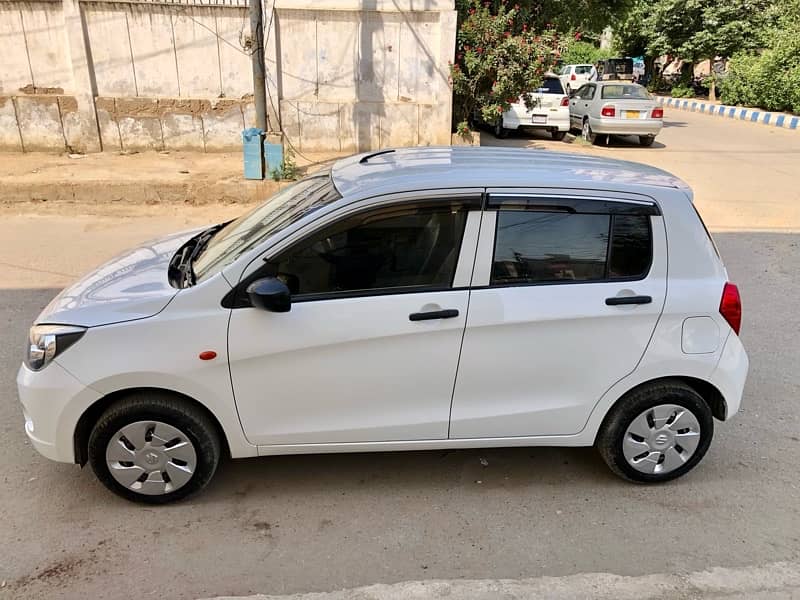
point(80, 121)
point(272, 66)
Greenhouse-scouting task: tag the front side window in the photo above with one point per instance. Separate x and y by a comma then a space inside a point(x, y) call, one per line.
point(404, 248)
point(550, 247)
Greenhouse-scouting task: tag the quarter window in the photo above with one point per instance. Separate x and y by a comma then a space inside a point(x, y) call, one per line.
point(550, 247)
point(407, 248)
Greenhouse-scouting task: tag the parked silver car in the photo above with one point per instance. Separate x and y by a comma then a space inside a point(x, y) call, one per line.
point(615, 108)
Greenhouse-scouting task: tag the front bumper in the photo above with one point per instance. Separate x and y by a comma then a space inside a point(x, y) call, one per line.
point(52, 402)
point(616, 126)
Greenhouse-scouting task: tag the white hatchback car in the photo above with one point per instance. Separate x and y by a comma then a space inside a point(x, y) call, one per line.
point(550, 111)
point(574, 76)
point(421, 298)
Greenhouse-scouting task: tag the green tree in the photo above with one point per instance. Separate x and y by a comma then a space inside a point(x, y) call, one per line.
point(696, 30)
point(503, 48)
point(579, 52)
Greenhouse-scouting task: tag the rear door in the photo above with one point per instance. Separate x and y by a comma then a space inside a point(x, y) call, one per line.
point(566, 292)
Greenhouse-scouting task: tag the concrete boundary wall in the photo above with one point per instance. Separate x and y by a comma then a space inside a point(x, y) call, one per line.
point(342, 75)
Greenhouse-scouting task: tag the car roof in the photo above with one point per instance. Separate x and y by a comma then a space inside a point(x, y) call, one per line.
point(429, 168)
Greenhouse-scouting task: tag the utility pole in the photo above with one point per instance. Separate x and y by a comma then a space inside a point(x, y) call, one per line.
point(257, 58)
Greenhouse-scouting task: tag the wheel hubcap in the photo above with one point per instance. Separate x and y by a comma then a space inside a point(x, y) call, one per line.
point(586, 131)
point(151, 457)
point(661, 439)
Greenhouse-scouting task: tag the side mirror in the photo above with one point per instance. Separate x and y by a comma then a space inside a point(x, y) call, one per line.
point(271, 294)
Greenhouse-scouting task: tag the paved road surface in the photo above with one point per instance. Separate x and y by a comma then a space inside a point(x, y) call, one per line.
point(317, 523)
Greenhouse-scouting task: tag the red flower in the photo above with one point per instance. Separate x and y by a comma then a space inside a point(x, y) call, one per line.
point(479, 49)
point(507, 34)
point(499, 109)
point(577, 35)
point(525, 27)
point(466, 48)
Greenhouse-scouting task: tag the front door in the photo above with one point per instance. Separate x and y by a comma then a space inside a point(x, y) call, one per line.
point(369, 350)
point(566, 294)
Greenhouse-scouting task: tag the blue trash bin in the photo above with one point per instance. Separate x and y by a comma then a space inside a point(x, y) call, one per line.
point(252, 140)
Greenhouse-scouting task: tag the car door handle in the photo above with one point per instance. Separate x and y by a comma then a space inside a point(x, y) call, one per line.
point(448, 313)
point(618, 300)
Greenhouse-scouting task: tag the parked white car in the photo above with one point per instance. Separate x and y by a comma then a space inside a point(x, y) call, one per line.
point(550, 111)
point(615, 108)
point(410, 299)
point(574, 76)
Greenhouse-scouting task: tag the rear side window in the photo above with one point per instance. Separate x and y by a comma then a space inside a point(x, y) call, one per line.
point(551, 85)
point(550, 247)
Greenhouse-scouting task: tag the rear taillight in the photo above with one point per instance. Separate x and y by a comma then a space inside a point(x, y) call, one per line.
point(730, 307)
point(608, 111)
point(658, 113)
point(572, 77)
point(565, 101)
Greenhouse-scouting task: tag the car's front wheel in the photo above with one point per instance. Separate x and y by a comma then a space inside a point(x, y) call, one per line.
point(656, 433)
point(154, 448)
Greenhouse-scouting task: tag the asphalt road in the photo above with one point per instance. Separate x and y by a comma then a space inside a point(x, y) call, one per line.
point(317, 523)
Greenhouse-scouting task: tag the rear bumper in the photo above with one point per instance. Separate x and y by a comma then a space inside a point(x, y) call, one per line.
point(554, 118)
point(730, 374)
point(615, 126)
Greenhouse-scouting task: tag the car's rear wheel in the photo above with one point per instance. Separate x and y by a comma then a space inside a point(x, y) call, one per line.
point(646, 140)
point(586, 132)
point(154, 448)
point(500, 132)
point(558, 135)
point(656, 433)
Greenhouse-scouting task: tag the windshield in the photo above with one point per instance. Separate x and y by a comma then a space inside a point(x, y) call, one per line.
point(622, 91)
point(281, 210)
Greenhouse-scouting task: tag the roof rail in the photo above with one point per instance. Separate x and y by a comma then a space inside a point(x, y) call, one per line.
point(365, 159)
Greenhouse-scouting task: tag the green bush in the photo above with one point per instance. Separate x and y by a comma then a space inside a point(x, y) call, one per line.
point(682, 91)
point(769, 80)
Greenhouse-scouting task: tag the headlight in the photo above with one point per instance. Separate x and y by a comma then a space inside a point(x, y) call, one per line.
point(45, 342)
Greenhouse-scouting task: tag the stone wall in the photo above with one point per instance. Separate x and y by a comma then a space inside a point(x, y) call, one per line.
point(86, 75)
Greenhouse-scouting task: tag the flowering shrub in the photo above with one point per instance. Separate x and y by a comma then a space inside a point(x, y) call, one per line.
point(499, 60)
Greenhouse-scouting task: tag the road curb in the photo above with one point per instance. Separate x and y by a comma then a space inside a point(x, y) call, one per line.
point(753, 115)
point(778, 581)
point(140, 192)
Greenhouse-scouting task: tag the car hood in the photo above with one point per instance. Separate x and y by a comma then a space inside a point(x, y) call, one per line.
point(133, 285)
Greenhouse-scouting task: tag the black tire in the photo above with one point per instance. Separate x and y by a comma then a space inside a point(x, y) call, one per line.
point(558, 135)
point(500, 132)
point(646, 140)
point(166, 408)
point(610, 437)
